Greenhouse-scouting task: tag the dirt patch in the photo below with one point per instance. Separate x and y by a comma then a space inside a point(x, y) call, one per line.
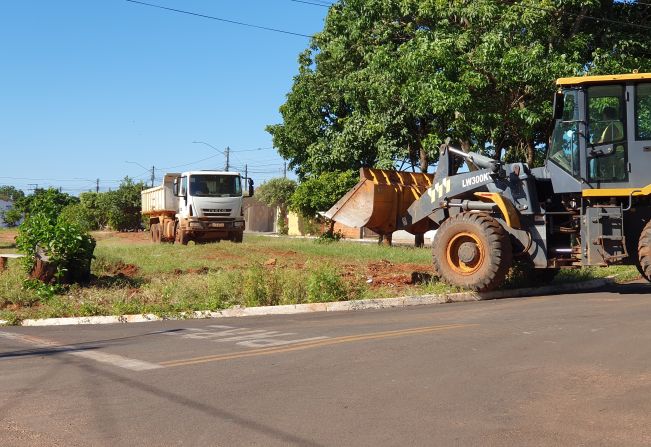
point(388, 274)
point(120, 268)
point(8, 236)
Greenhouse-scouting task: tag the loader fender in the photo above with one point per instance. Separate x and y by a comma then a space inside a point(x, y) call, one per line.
point(511, 215)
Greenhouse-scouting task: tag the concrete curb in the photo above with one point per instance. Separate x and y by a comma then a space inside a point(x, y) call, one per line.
point(339, 306)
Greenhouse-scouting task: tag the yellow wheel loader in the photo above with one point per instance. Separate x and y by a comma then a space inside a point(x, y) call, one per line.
point(590, 204)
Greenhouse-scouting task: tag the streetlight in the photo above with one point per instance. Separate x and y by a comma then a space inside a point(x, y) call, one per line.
point(227, 153)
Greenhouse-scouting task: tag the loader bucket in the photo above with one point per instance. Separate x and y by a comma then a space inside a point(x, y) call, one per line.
point(379, 199)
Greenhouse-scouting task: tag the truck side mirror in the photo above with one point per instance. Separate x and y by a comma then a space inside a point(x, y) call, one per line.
point(251, 190)
point(559, 105)
point(177, 184)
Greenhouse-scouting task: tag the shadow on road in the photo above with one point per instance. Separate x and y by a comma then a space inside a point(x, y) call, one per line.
point(629, 289)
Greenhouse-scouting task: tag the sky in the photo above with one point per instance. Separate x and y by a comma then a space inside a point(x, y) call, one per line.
point(101, 89)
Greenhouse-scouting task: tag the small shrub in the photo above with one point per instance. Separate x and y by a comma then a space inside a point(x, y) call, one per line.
point(330, 236)
point(69, 248)
point(324, 284)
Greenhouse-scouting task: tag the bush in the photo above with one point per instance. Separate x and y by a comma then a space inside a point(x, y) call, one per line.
point(69, 247)
point(324, 284)
point(79, 215)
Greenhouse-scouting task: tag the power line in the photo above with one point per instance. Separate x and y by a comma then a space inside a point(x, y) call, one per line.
point(311, 3)
point(234, 22)
point(252, 150)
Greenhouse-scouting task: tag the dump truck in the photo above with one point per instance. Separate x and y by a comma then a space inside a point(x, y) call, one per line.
point(199, 206)
point(588, 205)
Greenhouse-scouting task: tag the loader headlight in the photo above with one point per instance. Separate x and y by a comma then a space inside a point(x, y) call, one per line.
point(238, 223)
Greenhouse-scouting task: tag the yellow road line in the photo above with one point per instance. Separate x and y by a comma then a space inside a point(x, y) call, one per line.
point(314, 344)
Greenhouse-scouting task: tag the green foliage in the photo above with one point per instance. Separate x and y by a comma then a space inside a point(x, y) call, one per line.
point(277, 192)
point(79, 215)
point(329, 236)
point(49, 202)
point(386, 81)
point(318, 193)
point(124, 206)
point(117, 210)
point(69, 248)
point(325, 284)
point(10, 193)
point(11, 217)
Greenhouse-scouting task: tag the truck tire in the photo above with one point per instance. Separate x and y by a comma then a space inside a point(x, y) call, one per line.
point(181, 238)
point(155, 233)
point(237, 238)
point(644, 252)
point(472, 250)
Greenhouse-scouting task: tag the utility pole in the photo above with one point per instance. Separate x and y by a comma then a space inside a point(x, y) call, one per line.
point(97, 185)
point(285, 170)
point(33, 186)
point(246, 171)
point(153, 176)
point(228, 154)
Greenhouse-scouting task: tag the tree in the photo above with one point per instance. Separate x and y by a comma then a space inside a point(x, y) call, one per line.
point(320, 192)
point(44, 201)
point(11, 217)
point(123, 205)
point(387, 81)
point(277, 192)
point(10, 193)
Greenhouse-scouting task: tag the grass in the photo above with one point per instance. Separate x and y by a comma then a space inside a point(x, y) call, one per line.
point(133, 276)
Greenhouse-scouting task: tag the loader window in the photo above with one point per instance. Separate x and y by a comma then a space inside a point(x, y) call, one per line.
point(565, 140)
point(607, 126)
point(643, 112)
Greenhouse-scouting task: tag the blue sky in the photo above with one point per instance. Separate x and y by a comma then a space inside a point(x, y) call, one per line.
point(86, 85)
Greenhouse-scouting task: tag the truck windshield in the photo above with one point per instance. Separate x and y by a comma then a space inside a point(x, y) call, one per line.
point(215, 185)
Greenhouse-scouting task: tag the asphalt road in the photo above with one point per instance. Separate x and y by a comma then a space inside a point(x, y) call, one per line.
point(565, 370)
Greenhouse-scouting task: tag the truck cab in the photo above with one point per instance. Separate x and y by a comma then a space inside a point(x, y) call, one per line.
point(210, 206)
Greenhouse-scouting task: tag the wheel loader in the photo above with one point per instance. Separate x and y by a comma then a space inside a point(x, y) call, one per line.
point(589, 205)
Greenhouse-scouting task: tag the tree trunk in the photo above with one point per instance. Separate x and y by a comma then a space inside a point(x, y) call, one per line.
point(422, 159)
point(43, 269)
point(531, 153)
point(466, 146)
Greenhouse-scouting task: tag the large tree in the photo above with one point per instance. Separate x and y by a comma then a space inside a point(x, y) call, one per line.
point(386, 81)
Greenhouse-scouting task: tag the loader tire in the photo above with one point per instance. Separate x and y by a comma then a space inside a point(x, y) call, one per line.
point(644, 252)
point(472, 250)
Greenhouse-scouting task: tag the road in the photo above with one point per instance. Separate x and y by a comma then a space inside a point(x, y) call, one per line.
point(543, 371)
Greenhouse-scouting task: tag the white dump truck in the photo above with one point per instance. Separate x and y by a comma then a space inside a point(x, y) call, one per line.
point(199, 206)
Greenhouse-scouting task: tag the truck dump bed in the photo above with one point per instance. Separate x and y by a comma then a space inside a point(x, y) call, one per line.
point(160, 199)
point(380, 198)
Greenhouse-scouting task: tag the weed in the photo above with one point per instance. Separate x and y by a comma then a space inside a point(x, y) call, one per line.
point(324, 284)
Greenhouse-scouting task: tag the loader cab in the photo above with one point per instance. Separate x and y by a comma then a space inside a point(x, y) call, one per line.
point(602, 133)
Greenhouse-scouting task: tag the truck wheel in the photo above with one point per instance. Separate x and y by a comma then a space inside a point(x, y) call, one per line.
point(237, 238)
point(472, 250)
point(644, 252)
point(155, 233)
point(181, 238)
